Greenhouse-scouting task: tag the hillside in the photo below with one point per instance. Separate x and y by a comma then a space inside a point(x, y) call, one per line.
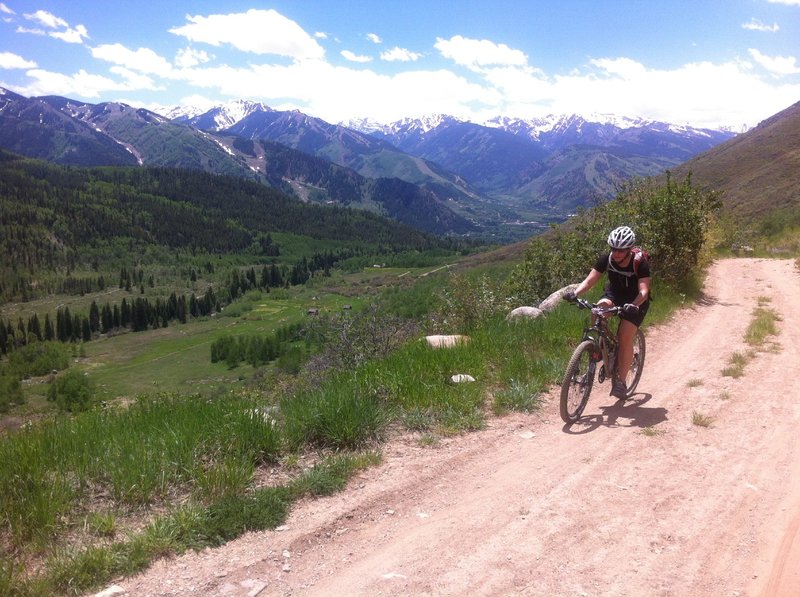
point(57, 219)
point(634, 499)
point(69, 132)
point(758, 172)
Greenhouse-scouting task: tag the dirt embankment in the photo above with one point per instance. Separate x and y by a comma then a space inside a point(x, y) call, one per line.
point(633, 500)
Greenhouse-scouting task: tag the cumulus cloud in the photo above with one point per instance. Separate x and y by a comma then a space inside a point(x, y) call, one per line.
point(256, 31)
point(352, 57)
point(374, 38)
point(189, 57)
point(756, 25)
point(477, 54)
point(81, 84)
point(6, 10)
point(71, 35)
point(397, 54)
point(9, 60)
point(143, 60)
point(776, 65)
point(46, 19)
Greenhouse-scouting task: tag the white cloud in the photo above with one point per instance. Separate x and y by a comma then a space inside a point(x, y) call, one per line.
point(80, 84)
point(10, 61)
point(71, 36)
point(786, 2)
point(135, 81)
point(143, 60)
point(21, 29)
point(5, 9)
point(776, 65)
point(476, 54)
point(321, 35)
point(397, 54)
point(348, 55)
point(189, 57)
point(374, 38)
point(46, 19)
point(756, 25)
point(256, 31)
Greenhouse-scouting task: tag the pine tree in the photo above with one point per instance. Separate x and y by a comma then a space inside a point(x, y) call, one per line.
point(49, 333)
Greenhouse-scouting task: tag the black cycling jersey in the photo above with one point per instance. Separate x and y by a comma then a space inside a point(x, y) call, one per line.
point(623, 282)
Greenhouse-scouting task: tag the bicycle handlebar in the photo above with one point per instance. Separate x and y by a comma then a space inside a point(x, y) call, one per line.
point(597, 309)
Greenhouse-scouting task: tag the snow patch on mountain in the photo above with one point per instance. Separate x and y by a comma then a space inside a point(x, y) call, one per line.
point(223, 116)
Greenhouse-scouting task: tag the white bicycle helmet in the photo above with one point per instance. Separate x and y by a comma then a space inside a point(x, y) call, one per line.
point(621, 238)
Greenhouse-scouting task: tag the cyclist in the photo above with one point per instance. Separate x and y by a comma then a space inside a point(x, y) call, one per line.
point(629, 286)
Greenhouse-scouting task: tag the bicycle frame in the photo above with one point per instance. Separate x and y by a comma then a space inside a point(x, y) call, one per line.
point(602, 336)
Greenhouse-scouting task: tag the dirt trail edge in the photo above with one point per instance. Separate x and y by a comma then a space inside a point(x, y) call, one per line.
point(532, 507)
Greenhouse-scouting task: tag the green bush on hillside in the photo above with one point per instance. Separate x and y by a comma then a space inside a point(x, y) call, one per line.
point(10, 392)
point(72, 391)
point(38, 358)
point(671, 222)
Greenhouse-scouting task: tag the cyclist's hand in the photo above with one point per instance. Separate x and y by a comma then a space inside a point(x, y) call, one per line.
point(630, 308)
point(570, 296)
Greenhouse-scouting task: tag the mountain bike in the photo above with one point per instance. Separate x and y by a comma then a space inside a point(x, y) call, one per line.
point(598, 345)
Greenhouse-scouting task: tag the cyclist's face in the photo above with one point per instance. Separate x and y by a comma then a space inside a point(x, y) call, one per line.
point(620, 255)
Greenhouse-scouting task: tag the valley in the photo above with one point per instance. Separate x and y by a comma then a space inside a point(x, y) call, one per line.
point(501, 181)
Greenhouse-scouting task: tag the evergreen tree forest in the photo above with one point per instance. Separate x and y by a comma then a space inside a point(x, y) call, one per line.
point(56, 221)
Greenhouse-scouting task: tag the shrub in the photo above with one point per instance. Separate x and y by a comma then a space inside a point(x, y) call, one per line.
point(38, 358)
point(10, 392)
point(72, 391)
point(671, 221)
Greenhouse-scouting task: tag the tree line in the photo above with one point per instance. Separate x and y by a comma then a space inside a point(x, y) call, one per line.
point(137, 315)
point(54, 218)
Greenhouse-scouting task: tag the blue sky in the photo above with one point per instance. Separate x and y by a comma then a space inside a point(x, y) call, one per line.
point(711, 63)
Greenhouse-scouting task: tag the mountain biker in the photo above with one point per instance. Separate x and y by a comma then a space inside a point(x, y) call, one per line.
point(629, 286)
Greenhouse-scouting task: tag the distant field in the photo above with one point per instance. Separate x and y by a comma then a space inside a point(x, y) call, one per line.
point(178, 358)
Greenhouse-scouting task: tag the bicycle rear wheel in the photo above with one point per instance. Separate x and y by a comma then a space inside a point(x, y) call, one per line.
point(578, 380)
point(637, 364)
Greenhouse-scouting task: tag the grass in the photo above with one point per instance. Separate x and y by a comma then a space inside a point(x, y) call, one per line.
point(702, 420)
point(762, 326)
point(183, 468)
point(694, 382)
point(652, 431)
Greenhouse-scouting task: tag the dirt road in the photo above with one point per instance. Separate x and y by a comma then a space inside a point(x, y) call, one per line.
point(531, 507)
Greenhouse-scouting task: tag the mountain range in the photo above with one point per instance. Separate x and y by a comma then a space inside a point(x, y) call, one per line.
point(503, 179)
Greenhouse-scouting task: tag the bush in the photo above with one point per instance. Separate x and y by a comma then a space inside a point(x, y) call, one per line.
point(72, 391)
point(671, 222)
point(38, 358)
point(10, 392)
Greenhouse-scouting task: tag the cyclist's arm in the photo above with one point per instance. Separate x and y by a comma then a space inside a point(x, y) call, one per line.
point(644, 291)
point(590, 281)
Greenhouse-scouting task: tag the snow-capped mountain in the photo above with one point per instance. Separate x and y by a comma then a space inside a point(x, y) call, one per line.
point(219, 117)
point(549, 165)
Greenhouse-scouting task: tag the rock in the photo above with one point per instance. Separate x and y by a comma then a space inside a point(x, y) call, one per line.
point(552, 301)
point(461, 378)
point(524, 313)
point(439, 341)
point(111, 591)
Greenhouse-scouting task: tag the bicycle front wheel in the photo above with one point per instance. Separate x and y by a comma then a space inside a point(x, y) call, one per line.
point(578, 380)
point(637, 364)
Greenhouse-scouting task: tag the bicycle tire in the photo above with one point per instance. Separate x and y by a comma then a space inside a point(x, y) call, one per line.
point(637, 364)
point(577, 383)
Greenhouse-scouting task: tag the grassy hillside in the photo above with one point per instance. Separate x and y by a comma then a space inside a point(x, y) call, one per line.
point(756, 171)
